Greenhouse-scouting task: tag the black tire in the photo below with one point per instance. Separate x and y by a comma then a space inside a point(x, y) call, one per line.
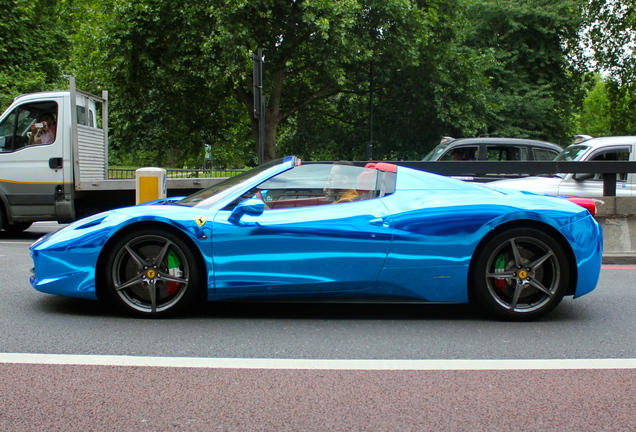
point(520, 274)
point(151, 273)
point(17, 228)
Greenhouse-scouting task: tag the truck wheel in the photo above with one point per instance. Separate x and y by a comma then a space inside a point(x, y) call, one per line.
point(151, 273)
point(17, 228)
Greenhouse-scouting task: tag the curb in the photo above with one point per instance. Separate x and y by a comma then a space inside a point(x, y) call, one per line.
point(619, 258)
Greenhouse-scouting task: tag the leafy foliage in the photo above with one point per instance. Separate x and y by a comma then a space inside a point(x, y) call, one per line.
point(179, 73)
point(32, 46)
point(608, 109)
point(533, 86)
point(610, 37)
point(610, 40)
point(439, 89)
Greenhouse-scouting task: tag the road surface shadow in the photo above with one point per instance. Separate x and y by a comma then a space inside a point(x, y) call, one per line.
point(568, 311)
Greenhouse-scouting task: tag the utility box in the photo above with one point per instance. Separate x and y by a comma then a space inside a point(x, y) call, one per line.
point(151, 184)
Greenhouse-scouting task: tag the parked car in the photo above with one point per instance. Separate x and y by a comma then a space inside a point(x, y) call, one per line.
point(492, 149)
point(288, 230)
point(619, 148)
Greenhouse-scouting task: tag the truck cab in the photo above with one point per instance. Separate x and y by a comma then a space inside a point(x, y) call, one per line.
point(48, 141)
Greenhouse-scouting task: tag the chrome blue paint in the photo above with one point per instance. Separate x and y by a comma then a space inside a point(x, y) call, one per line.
point(414, 244)
point(301, 250)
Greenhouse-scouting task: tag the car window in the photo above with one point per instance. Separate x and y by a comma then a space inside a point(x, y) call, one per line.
point(317, 184)
point(468, 153)
point(572, 153)
point(544, 154)
point(611, 155)
point(29, 124)
point(434, 154)
point(504, 153)
point(206, 198)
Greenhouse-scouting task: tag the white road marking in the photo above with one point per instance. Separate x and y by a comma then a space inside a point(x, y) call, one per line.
point(317, 364)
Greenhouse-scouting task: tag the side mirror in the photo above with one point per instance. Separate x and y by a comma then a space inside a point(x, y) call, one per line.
point(582, 176)
point(250, 207)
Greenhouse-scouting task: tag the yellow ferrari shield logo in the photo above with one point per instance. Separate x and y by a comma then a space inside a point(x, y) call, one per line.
point(200, 220)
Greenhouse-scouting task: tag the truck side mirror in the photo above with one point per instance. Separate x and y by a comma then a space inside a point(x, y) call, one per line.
point(582, 176)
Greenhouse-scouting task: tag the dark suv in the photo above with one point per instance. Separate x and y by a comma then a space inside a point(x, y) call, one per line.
point(492, 149)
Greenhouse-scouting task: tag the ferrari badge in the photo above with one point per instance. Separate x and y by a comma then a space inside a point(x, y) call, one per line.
point(200, 220)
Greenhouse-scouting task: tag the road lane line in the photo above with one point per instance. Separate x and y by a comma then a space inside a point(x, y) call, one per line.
point(315, 364)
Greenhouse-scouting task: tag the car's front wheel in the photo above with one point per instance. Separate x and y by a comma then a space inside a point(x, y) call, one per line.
point(521, 274)
point(148, 273)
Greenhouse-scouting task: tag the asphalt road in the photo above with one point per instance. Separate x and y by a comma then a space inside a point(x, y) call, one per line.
point(560, 388)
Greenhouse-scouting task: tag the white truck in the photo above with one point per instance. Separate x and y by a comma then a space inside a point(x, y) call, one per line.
point(54, 160)
point(616, 148)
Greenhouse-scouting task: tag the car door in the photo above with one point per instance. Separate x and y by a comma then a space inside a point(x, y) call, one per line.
point(336, 247)
point(322, 248)
point(586, 186)
point(30, 170)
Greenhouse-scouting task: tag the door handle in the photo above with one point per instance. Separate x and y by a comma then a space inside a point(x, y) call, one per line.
point(56, 163)
point(383, 222)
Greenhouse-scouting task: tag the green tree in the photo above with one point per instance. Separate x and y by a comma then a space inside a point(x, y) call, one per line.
point(172, 64)
point(32, 47)
point(610, 39)
point(533, 84)
point(417, 97)
point(180, 73)
point(621, 107)
point(317, 49)
point(164, 106)
point(593, 118)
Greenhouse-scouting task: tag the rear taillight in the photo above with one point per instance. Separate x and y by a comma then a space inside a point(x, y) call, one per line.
point(586, 203)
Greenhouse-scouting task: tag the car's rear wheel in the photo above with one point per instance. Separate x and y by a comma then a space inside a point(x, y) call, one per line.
point(151, 274)
point(521, 274)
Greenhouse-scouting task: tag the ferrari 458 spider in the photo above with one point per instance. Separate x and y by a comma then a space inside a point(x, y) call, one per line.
point(319, 231)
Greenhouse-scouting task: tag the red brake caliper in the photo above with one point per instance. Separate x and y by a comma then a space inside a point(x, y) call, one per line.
point(174, 269)
point(500, 267)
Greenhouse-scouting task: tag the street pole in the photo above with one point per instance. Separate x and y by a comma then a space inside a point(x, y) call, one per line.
point(259, 101)
point(370, 144)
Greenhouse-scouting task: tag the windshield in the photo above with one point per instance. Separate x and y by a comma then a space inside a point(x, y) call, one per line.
point(208, 196)
point(435, 153)
point(572, 153)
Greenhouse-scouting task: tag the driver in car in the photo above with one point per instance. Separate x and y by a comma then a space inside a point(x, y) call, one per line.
point(340, 185)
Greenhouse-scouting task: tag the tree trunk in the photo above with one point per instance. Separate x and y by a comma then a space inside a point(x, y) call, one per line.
point(273, 114)
point(271, 129)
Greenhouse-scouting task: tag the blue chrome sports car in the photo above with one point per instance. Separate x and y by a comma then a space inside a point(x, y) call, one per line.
point(287, 230)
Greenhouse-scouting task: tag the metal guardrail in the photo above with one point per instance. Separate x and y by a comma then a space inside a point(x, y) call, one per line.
point(480, 170)
point(128, 173)
point(489, 171)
